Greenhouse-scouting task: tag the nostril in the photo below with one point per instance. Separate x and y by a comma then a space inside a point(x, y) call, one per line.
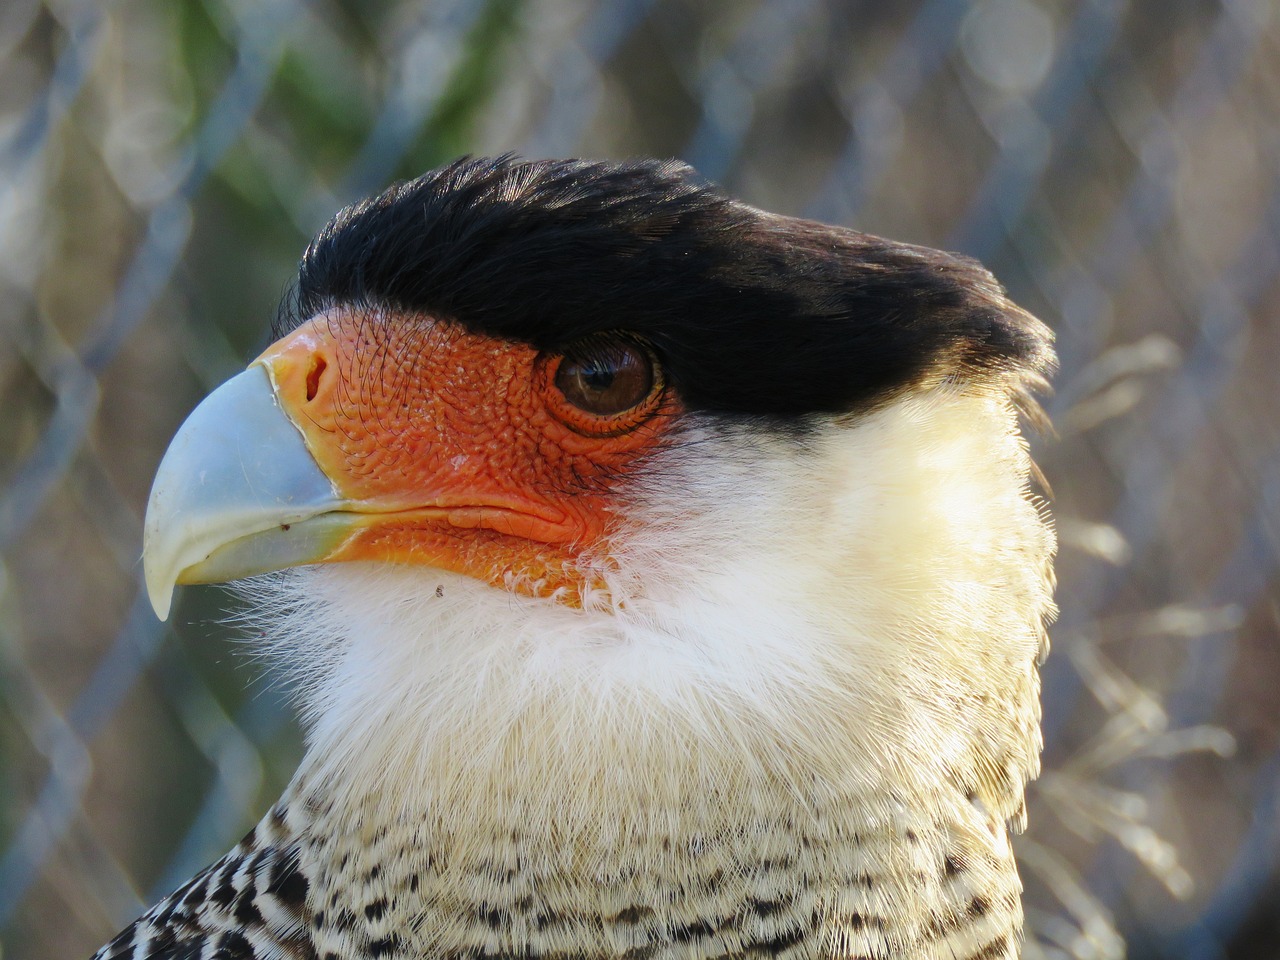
point(318, 364)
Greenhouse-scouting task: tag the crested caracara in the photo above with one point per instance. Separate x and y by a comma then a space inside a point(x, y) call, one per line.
point(659, 577)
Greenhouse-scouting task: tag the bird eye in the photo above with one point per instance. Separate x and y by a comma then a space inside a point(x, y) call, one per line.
point(607, 385)
point(609, 379)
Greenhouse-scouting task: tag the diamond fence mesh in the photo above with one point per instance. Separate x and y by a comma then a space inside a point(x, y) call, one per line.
point(162, 165)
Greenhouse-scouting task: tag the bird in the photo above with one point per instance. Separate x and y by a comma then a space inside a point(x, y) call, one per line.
point(656, 576)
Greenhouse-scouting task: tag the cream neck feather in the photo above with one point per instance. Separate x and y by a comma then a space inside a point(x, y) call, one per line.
point(804, 640)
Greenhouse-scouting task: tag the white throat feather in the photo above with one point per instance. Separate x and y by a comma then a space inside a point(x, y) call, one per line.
point(802, 640)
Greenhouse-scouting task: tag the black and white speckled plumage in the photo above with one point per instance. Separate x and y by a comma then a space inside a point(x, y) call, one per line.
point(257, 903)
point(802, 723)
point(250, 905)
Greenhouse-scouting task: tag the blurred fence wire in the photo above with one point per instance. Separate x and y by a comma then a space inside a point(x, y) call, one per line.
point(1116, 162)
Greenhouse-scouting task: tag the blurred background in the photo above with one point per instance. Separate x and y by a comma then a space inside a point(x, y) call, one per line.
point(164, 162)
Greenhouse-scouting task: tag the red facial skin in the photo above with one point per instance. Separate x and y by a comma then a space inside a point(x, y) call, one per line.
point(460, 450)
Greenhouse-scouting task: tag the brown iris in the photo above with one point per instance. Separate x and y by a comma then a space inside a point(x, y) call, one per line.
point(607, 385)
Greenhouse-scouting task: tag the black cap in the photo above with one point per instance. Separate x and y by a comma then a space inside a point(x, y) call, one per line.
point(750, 312)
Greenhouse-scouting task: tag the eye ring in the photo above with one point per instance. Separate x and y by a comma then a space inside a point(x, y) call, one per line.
point(604, 386)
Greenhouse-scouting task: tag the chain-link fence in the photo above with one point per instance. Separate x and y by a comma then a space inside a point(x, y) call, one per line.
point(163, 162)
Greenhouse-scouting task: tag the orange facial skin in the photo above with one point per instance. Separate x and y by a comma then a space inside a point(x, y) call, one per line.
point(459, 449)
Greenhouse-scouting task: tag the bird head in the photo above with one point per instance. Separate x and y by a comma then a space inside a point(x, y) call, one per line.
point(654, 570)
point(596, 445)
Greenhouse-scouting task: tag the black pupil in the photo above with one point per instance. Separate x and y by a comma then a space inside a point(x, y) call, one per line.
point(597, 376)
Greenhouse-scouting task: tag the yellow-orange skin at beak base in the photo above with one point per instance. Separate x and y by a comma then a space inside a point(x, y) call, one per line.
point(402, 440)
point(444, 444)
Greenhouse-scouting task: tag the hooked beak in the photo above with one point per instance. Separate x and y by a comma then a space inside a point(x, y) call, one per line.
point(237, 494)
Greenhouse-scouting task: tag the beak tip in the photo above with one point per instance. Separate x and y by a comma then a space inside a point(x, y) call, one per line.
point(159, 591)
point(160, 604)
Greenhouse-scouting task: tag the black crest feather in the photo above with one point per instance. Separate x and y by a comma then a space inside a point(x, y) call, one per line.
point(750, 312)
